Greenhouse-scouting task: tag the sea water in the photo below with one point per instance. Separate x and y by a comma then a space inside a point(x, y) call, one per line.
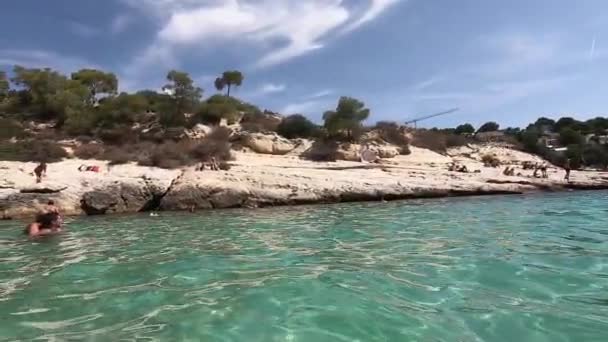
point(504, 268)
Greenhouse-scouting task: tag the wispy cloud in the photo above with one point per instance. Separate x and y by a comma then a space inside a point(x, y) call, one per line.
point(376, 8)
point(426, 83)
point(266, 89)
point(319, 94)
point(270, 88)
point(289, 28)
point(304, 107)
point(592, 50)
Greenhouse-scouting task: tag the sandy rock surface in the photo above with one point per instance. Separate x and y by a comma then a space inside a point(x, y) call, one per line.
point(264, 179)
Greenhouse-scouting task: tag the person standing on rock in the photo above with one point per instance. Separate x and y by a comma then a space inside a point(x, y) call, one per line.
point(567, 167)
point(40, 171)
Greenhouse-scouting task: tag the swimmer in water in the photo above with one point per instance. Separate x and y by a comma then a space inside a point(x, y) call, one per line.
point(45, 224)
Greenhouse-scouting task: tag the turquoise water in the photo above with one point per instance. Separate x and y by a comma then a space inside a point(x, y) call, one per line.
point(505, 268)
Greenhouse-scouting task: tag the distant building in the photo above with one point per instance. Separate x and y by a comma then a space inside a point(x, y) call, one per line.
point(594, 139)
point(550, 140)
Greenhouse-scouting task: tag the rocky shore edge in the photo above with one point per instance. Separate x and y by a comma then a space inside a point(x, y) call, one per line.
point(271, 182)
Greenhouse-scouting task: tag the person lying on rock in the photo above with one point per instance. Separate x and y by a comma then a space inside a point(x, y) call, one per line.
point(90, 168)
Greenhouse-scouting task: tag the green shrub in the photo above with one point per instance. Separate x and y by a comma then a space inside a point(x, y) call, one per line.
point(595, 155)
point(118, 135)
point(32, 151)
point(215, 145)
point(116, 156)
point(490, 160)
point(432, 140)
point(89, 151)
point(392, 133)
point(323, 150)
point(168, 155)
point(259, 122)
point(455, 140)
point(215, 109)
point(10, 128)
point(297, 126)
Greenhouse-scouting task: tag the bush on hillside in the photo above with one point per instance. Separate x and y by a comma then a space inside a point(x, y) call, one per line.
point(89, 151)
point(255, 122)
point(438, 141)
point(118, 135)
point(392, 133)
point(10, 128)
point(297, 126)
point(490, 160)
point(85, 139)
point(212, 113)
point(32, 151)
point(215, 145)
point(168, 155)
point(117, 156)
point(432, 140)
point(323, 150)
point(455, 140)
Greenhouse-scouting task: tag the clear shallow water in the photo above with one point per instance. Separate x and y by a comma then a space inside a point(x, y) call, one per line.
point(514, 268)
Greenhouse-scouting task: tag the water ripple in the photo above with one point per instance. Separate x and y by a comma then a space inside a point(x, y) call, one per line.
point(509, 268)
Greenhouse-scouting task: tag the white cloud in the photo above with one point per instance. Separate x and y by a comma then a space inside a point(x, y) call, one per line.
point(43, 59)
point(120, 23)
point(305, 107)
point(319, 94)
point(270, 88)
point(375, 9)
point(290, 28)
point(426, 83)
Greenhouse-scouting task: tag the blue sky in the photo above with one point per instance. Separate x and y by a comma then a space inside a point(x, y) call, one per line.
point(508, 61)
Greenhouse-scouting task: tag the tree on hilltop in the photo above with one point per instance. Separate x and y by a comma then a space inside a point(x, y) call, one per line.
point(185, 97)
point(228, 79)
point(347, 117)
point(465, 129)
point(489, 127)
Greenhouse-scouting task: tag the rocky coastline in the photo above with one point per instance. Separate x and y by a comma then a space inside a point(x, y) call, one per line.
point(261, 180)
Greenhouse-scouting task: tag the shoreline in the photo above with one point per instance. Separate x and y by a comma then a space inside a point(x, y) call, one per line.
point(387, 199)
point(257, 180)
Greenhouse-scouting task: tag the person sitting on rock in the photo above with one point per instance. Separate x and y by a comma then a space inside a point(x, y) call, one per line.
point(40, 171)
point(463, 169)
point(509, 171)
